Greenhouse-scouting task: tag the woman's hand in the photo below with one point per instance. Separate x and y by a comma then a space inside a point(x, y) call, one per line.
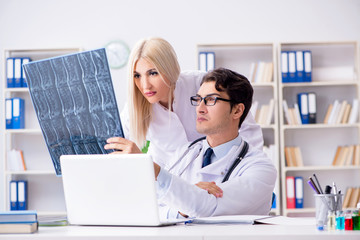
point(121, 145)
point(211, 188)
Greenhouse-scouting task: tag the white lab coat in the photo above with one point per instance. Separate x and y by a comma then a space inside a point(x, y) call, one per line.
point(248, 190)
point(170, 130)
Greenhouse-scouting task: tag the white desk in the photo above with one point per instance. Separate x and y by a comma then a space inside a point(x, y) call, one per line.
point(187, 232)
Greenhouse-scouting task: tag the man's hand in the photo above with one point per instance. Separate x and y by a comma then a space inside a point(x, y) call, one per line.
point(121, 145)
point(211, 188)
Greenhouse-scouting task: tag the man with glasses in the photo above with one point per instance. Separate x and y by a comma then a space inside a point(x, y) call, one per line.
point(219, 174)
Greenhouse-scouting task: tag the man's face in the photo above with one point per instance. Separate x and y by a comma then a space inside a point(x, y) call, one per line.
point(212, 119)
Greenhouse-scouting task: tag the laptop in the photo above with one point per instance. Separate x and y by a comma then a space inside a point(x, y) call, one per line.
point(111, 189)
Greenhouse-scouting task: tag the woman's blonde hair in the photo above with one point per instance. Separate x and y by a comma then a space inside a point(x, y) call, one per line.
point(162, 55)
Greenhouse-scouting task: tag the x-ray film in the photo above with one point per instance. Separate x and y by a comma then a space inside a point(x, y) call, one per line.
point(75, 103)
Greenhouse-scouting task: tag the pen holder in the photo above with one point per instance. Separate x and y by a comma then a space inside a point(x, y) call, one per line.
point(325, 203)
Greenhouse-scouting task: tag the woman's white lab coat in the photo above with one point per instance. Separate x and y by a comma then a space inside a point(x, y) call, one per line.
point(170, 130)
point(248, 190)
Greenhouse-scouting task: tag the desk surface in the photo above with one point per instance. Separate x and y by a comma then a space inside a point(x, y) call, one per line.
point(188, 232)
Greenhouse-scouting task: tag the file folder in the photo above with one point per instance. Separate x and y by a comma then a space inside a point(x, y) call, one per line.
point(17, 72)
point(210, 61)
point(307, 66)
point(299, 192)
point(22, 195)
point(18, 116)
point(284, 67)
point(292, 66)
point(290, 192)
point(8, 113)
point(10, 72)
point(299, 66)
point(303, 107)
point(23, 76)
point(202, 61)
point(312, 107)
point(13, 195)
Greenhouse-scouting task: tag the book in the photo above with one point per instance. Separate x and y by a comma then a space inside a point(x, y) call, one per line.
point(328, 112)
point(334, 112)
point(346, 114)
point(18, 216)
point(297, 114)
point(337, 154)
point(353, 118)
point(270, 112)
point(298, 157)
point(286, 112)
point(289, 157)
point(18, 227)
point(347, 197)
point(354, 198)
point(15, 160)
point(341, 112)
point(357, 156)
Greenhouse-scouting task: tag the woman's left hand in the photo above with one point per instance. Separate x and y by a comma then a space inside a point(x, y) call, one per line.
point(121, 145)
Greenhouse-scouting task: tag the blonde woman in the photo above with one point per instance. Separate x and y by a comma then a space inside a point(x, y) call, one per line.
point(159, 108)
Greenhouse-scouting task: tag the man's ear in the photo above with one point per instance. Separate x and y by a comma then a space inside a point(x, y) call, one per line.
point(238, 110)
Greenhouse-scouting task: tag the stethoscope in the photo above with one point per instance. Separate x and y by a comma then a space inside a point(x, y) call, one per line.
point(196, 143)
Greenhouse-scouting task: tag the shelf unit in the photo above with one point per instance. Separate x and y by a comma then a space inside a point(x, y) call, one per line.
point(45, 191)
point(335, 75)
point(239, 58)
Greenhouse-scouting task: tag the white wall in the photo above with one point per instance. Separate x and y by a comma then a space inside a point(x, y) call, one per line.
point(184, 23)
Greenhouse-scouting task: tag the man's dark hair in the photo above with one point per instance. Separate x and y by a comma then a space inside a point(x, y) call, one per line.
point(235, 85)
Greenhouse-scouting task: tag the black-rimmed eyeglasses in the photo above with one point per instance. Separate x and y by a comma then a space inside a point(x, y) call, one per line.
point(208, 100)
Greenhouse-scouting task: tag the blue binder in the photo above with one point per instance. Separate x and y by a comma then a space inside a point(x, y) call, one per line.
point(284, 67)
point(299, 66)
point(307, 66)
point(292, 66)
point(299, 192)
point(22, 195)
point(18, 113)
point(13, 195)
point(10, 72)
point(8, 113)
point(17, 72)
point(303, 107)
point(24, 60)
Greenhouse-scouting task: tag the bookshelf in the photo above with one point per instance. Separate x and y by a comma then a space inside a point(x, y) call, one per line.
point(45, 192)
point(335, 75)
point(241, 58)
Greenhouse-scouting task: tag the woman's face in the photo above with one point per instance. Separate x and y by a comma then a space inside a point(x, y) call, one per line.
point(150, 83)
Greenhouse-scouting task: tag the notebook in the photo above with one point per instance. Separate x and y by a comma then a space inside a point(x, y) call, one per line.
point(111, 189)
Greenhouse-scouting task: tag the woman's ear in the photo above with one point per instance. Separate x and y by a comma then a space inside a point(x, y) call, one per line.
point(238, 110)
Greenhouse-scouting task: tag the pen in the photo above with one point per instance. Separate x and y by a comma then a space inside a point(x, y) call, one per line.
point(335, 192)
point(312, 182)
point(318, 184)
point(312, 186)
